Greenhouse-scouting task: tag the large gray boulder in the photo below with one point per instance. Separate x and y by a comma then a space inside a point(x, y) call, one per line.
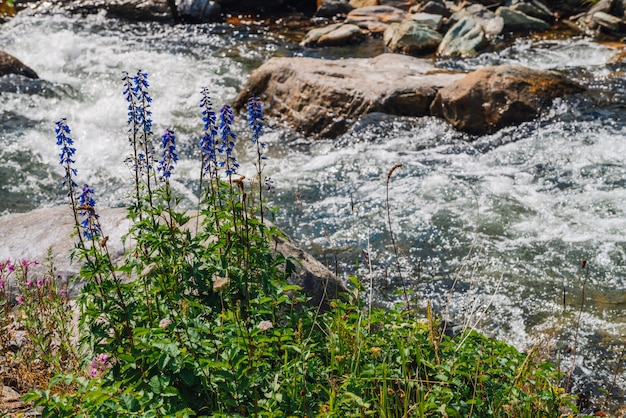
point(324, 98)
point(11, 65)
point(491, 98)
point(30, 235)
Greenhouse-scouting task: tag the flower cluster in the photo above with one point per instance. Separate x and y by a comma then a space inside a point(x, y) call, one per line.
point(67, 152)
point(169, 157)
point(255, 119)
point(100, 364)
point(86, 208)
point(143, 116)
point(228, 141)
point(207, 142)
point(139, 118)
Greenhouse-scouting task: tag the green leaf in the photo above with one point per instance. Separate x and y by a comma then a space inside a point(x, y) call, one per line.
point(155, 384)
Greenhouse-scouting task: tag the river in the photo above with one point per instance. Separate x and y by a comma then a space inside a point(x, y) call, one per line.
point(492, 229)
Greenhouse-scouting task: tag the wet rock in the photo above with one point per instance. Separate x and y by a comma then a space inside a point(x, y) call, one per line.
point(364, 3)
point(565, 8)
point(335, 34)
point(436, 7)
point(323, 98)
point(29, 235)
point(198, 10)
point(534, 9)
point(265, 6)
point(411, 38)
point(332, 8)
point(465, 39)
point(375, 19)
point(609, 23)
point(491, 23)
point(11, 65)
point(491, 3)
point(494, 97)
point(518, 22)
point(432, 21)
point(135, 10)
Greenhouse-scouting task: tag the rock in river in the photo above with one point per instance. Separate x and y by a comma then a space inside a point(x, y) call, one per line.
point(323, 98)
point(494, 97)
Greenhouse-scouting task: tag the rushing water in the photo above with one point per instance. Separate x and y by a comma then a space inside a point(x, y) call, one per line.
point(504, 220)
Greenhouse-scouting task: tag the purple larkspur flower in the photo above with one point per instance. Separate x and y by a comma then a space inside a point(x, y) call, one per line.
point(66, 159)
point(168, 155)
point(207, 143)
point(228, 140)
point(255, 119)
point(89, 222)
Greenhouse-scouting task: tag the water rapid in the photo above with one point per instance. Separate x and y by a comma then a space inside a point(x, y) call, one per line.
point(492, 231)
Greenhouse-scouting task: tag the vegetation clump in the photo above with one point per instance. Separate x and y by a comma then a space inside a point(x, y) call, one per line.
point(200, 318)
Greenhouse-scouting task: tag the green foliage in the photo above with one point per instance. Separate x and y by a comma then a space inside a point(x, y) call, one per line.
point(200, 320)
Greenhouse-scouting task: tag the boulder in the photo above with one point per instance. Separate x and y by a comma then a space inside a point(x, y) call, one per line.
point(11, 65)
point(30, 235)
point(375, 19)
point(465, 39)
point(331, 35)
point(411, 38)
point(491, 98)
point(518, 22)
point(198, 10)
point(323, 98)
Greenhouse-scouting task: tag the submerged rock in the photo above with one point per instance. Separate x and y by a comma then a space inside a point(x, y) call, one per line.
point(494, 97)
point(11, 65)
point(323, 98)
